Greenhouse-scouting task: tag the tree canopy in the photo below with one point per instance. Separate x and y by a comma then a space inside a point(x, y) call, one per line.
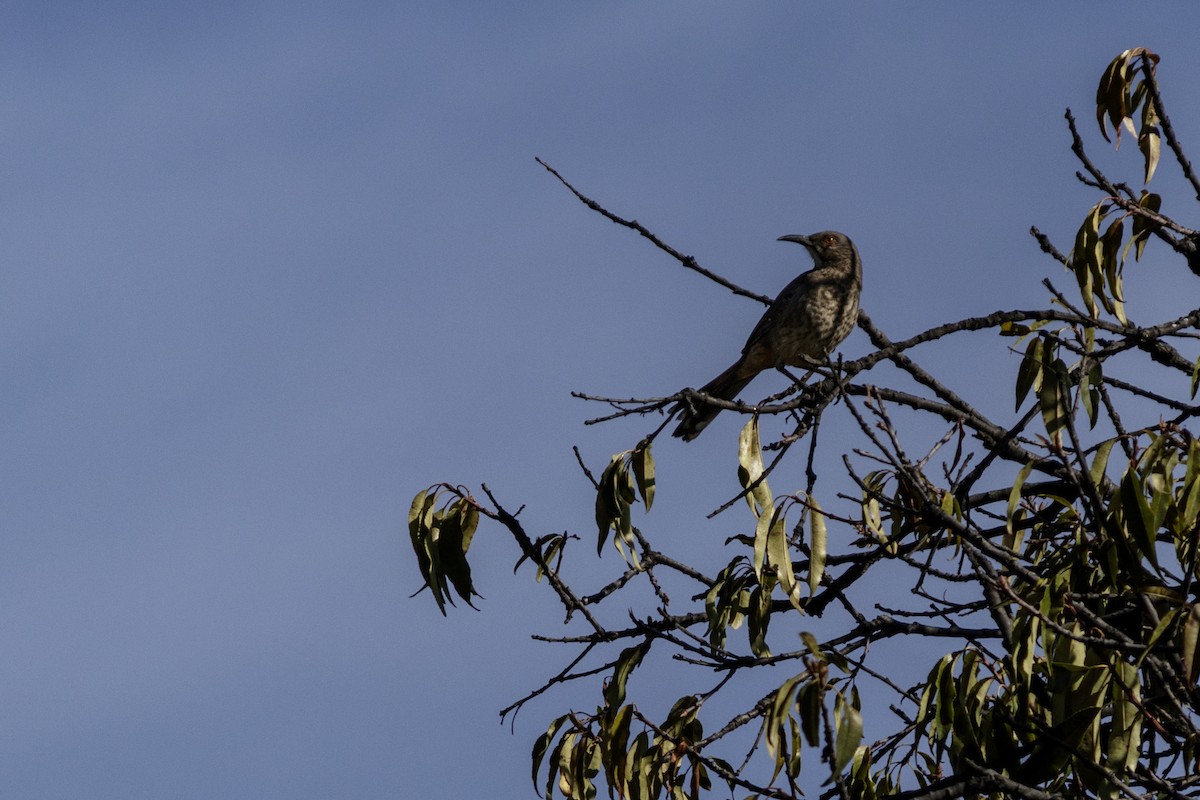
point(1041, 566)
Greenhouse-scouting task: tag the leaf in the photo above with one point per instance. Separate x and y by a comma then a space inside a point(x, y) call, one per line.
point(775, 718)
point(1142, 225)
point(779, 556)
point(1139, 520)
point(849, 726)
point(460, 520)
point(1110, 244)
point(750, 469)
point(1030, 371)
point(1083, 257)
point(614, 745)
point(1051, 398)
point(1025, 638)
point(759, 617)
point(1150, 145)
point(1125, 736)
point(1110, 96)
point(1100, 461)
point(614, 502)
point(808, 705)
point(1014, 499)
point(758, 494)
point(541, 745)
point(643, 472)
point(1189, 503)
point(606, 507)
point(1168, 620)
point(1189, 645)
point(1089, 391)
point(420, 531)
point(440, 540)
point(818, 544)
point(627, 662)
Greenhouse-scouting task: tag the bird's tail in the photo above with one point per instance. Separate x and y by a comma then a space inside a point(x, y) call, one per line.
point(726, 386)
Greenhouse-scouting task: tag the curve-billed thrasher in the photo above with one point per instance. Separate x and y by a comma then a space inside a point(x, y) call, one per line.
point(810, 317)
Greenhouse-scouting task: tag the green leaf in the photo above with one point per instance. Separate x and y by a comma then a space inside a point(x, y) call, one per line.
point(1143, 227)
point(1168, 621)
point(849, 727)
point(1125, 736)
point(776, 717)
point(818, 544)
point(459, 522)
point(1149, 144)
point(1189, 644)
point(750, 470)
point(614, 744)
point(779, 557)
point(1109, 245)
point(643, 472)
point(1139, 520)
point(420, 531)
point(1014, 499)
point(627, 662)
point(808, 706)
point(607, 508)
point(614, 502)
point(759, 617)
point(1029, 373)
point(1052, 399)
point(1189, 496)
point(541, 745)
point(1089, 392)
point(1100, 461)
point(758, 494)
point(1110, 96)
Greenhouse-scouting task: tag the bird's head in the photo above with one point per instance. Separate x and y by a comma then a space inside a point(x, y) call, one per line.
point(827, 248)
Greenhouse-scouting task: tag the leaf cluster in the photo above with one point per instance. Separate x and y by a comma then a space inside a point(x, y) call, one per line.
point(1042, 566)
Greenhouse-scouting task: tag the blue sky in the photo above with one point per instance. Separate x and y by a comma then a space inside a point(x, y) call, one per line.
point(271, 268)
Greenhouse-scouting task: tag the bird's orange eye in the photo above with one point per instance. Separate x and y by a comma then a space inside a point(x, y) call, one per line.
point(829, 241)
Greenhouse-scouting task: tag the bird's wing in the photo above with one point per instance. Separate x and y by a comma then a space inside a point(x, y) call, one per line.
point(801, 284)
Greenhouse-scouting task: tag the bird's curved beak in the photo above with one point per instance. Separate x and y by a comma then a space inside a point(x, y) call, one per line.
point(798, 239)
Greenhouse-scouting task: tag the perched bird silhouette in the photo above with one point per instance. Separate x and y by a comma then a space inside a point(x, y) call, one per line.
point(809, 318)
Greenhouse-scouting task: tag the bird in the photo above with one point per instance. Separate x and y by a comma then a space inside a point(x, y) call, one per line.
point(801, 327)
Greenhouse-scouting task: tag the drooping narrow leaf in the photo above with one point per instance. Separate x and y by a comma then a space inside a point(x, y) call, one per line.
point(1142, 226)
point(776, 717)
point(458, 528)
point(1051, 398)
point(643, 472)
point(750, 469)
point(1151, 147)
point(817, 544)
point(1014, 499)
point(1189, 645)
point(779, 556)
point(758, 617)
point(420, 524)
point(1139, 520)
point(1109, 96)
point(627, 662)
point(849, 729)
point(1125, 734)
point(1030, 371)
point(1100, 461)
